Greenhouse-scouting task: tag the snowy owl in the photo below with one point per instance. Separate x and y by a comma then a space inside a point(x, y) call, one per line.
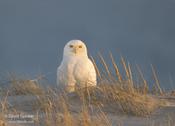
point(76, 69)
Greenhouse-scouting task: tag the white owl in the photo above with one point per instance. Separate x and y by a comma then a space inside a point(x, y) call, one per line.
point(76, 69)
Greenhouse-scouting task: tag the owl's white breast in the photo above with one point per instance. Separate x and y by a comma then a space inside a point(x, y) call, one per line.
point(84, 73)
point(77, 71)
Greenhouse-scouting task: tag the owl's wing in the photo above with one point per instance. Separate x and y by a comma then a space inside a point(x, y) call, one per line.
point(60, 75)
point(91, 74)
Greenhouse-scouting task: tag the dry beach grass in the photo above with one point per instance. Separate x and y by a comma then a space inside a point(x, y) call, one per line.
point(115, 93)
point(2, 120)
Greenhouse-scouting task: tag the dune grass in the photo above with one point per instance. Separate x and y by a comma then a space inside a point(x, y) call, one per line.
point(24, 87)
point(3, 110)
point(69, 110)
point(2, 120)
point(115, 93)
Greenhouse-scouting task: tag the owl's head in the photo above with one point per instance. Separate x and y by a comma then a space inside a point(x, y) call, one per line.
point(75, 48)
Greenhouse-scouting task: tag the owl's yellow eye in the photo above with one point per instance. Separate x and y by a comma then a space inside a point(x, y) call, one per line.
point(80, 46)
point(71, 46)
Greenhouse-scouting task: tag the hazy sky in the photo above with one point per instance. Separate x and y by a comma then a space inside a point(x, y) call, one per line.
point(34, 32)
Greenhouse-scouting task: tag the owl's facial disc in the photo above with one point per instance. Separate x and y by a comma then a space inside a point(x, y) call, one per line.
point(75, 48)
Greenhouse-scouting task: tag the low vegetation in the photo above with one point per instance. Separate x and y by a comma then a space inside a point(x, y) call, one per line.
point(24, 87)
point(116, 93)
point(2, 120)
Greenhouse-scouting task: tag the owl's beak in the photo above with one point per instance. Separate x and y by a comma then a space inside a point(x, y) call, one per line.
point(75, 50)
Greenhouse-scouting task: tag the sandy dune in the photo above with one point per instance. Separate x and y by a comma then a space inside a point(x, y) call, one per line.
point(25, 106)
